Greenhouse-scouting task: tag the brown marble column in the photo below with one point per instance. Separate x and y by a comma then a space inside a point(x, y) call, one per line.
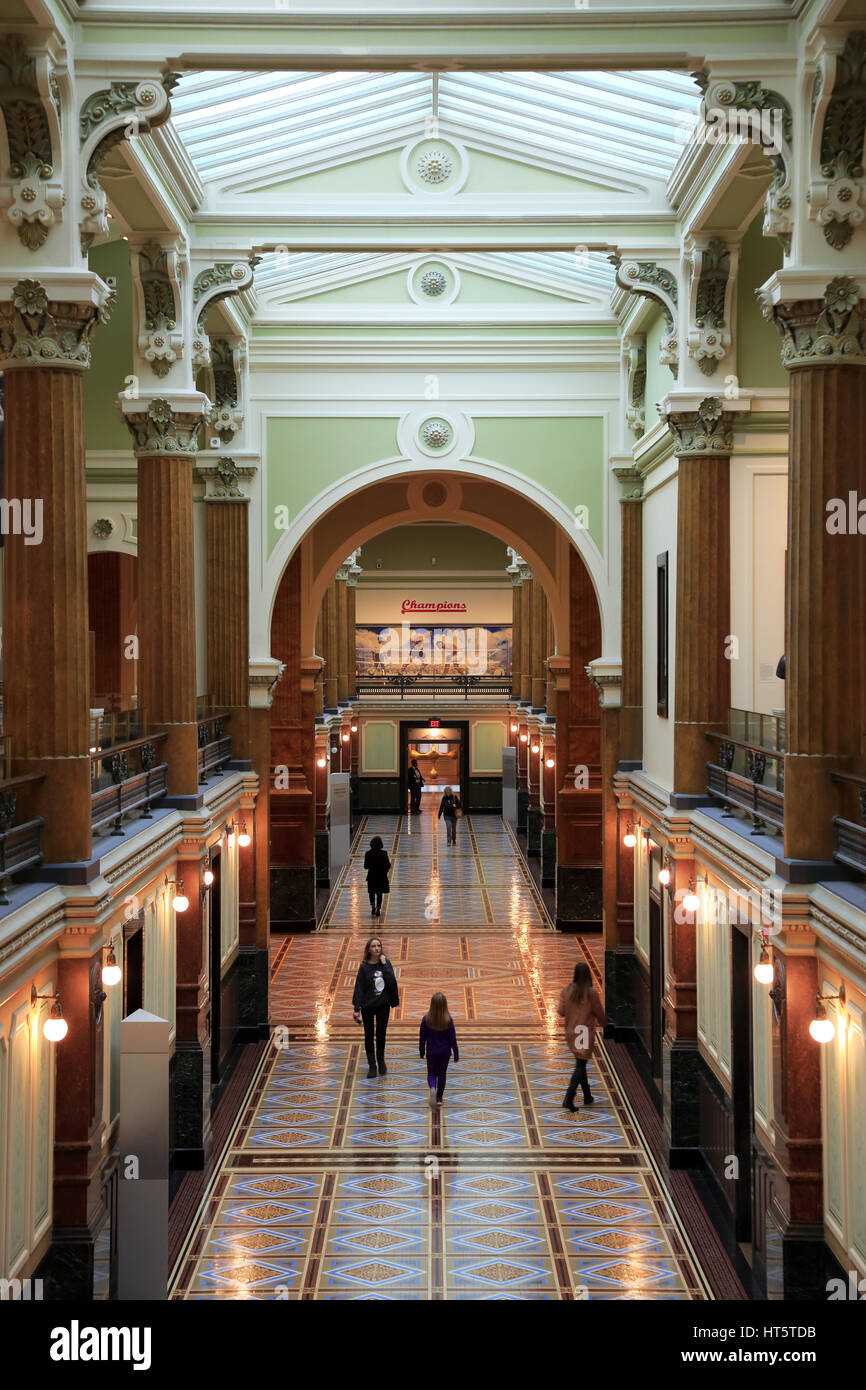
point(46, 656)
point(516, 638)
point(228, 614)
point(113, 616)
point(331, 647)
point(796, 1211)
point(703, 440)
point(351, 645)
point(526, 591)
point(165, 446)
point(550, 679)
point(680, 1002)
point(824, 348)
point(192, 1052)
point(631, 574)
point(538, 642)
point(342, 606)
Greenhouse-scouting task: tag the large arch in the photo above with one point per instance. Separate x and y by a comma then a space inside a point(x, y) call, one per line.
point(481, 494)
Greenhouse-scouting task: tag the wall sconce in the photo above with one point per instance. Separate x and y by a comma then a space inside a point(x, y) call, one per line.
point(354, 728)
point(665, 871)
point(822, 1028)
point(524, 738)
point(179, 902)
point(550, 762)
point(763, 971)
point(322, 761)
point(111, 971)
point(629, 839)
point(335, 748)
point(514, 728)
point(345, 736)
point(244, 836)
point(535, 747)
point(55, 1026)
point(691, 902)
point(208, 878)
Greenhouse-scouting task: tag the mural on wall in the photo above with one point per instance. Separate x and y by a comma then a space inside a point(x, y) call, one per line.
point(433, 651)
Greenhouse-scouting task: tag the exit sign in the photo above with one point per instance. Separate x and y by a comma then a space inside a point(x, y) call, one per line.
point(434, 723)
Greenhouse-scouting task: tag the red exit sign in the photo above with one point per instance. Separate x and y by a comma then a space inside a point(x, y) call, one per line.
point(434, 723)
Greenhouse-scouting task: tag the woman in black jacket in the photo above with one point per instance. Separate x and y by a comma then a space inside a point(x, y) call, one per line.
point(378, 867)
point(375, 994)
point(449, 807)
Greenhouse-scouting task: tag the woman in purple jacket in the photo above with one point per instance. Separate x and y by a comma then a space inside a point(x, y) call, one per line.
point(439, 1039)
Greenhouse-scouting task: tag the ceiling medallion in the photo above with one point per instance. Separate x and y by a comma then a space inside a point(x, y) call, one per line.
point(434, 166)
point(436, 434)
point(433, 282)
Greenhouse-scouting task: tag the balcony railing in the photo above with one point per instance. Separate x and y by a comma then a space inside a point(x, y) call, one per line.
point(749, 777)
point(20, 845)
point(125, 780)
point(214, 744)
point(849, 836)
point(426, 687)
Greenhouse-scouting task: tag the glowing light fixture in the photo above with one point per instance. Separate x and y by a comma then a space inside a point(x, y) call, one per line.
point(535, 747)
point(822, 1028)
point(524, 738)
point(179, 902)
point(111, 971)
point(550, 762)
point(763, 971)
point(208, 877)
point(629, 839)
point(55, 1027)
point(345, 736)
point(691, 902)
point(321, 762)
point(514, 728)
point(664, 871)
point(244, 837)
point(354, 728)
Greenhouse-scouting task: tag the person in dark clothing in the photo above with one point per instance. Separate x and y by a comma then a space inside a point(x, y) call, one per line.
point(449, 807)
point(581, 1007)
point(438, 1038)
point(375, 995)
point(416, 782)
point(378, 867)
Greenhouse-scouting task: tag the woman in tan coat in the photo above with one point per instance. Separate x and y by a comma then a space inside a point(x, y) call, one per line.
point(582, 1009)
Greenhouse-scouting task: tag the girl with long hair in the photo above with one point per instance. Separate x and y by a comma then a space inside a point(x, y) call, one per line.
point(378, 867)
point(438, 1038)
point(581, 1007)
point(375, 995)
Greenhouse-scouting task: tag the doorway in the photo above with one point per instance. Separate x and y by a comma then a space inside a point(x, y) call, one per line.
point(441, 752)
point(656, 1013)
point(742, 1078)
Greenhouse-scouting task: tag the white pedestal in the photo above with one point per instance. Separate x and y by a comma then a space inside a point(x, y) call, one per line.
point(142, 1202)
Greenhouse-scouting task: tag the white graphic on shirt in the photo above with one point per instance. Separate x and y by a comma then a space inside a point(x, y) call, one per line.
point(378, 982)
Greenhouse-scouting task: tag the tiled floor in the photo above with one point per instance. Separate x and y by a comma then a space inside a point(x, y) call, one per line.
point(336, 1187)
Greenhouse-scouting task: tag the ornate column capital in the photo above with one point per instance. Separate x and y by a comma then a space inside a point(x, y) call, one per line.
point(700, 427)
point(821, 322)
point(223, 480)
point(264, 674)
point(51, 325)
point(606, 676)
point(631, 482)
point(161, 425)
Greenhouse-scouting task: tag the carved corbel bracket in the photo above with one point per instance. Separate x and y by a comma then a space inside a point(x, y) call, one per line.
point(32, 192)
point(731, 110)
point(118, 112)
point(634, 361)
point(654, 282)
point(156, 273)
point(713, 265)
point(836, 190)
point(227, 363)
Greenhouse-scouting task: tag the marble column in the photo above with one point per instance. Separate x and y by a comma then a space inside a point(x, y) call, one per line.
point(631, 578)
point(796, 1257)
point(534, 812)
point(538, 644)
point(703, 441)
point(342, 606)
point(351, 645)
point(526, 593)
point(823, 326)
point(516, 638)
point(550, 680)
point(331, 646)
point(79, 1132)
point(255, 896)
point(191, 1064)
point(45, 351)
point(228, 614)
point(680, 1108)
point(548, 789)
point(165, 443)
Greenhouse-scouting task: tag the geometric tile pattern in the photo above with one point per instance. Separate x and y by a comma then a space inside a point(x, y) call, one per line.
point(338, 1188)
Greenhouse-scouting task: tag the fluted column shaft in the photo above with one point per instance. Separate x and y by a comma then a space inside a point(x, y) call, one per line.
point(516, 614)
point(351, 645)
point(631, 712)
point(550, 679)
point(331, 645)
point(538, 641)
point(703, 605)
point(167, 670)
point(341, 592)
point(825, 677)
point(228, 614)
point(526, 591)
point(46, 659)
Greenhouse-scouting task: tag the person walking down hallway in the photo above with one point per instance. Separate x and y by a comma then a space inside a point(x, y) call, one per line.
point(581, 1007)
point(452, 810)
point(416, 782)
point(378, 867)
point(438, 1038)
point(375, 995)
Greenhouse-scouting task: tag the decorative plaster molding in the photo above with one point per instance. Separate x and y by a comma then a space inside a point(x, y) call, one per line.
point(713, 278)
point(118, 112)
point(263, 675)
point(161, 426)
point(634, 359)
point(33, 196)
point(835, 192)
point(223, 478)
point(156, 276)
point(830, 329)
point(654, 282)
point(36, 330)
point(768, 121)
point(606, 676)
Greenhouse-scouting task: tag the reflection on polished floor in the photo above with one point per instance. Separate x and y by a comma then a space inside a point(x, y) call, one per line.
point(335, 1187)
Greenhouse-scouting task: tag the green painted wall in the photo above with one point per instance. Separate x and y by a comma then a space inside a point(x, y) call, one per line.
point(379, 747)
point(455, 547)
point(489, 173)
point(759, 361)
point(111, 354)
point(565, 454)
point(658, 376)
point(305, 456)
